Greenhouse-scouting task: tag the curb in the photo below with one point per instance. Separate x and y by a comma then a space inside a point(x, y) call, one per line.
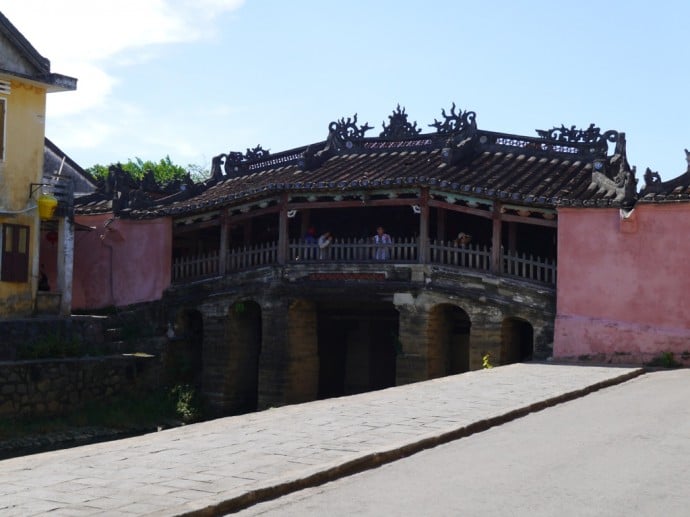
point(376, 459)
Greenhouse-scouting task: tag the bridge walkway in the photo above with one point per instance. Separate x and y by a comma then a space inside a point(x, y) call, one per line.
point(226, 464)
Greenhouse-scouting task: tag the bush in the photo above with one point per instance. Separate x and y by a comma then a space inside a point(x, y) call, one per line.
point(187, 402)
point(664, 360)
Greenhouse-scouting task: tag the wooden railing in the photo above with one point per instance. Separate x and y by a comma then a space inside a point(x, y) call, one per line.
point(248, 257)
point(469, 255)
point(404, 250)
point(521, 265)
point(354, 250)
point(196, 266)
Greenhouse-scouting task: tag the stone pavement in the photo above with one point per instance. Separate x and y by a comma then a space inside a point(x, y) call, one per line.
point(227, 464)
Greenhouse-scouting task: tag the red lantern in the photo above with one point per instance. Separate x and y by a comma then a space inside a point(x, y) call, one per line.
point(52, 237)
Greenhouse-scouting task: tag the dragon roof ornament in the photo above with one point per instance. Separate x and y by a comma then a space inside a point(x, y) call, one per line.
point(345, 131)
point(398, 126)
point(592, 135)
point(232, 161)
point(455, 122)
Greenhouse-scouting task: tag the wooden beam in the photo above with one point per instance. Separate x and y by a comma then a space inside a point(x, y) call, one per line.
point(232, 219)
point(434, 203)
point(177, 229)
point(529, 220)
point(354, 203)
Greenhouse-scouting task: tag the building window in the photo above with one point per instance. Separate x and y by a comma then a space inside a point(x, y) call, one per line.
point(15, 253)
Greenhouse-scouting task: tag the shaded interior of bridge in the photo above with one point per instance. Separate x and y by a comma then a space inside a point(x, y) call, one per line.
point(357, 346)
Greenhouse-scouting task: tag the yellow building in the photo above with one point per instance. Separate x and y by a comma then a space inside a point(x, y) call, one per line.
point(25, 79)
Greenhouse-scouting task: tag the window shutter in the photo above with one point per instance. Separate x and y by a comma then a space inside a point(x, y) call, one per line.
point(15, 253)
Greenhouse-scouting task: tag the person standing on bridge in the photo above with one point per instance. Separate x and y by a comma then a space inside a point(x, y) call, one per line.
point(324, 245)
point(383, 243)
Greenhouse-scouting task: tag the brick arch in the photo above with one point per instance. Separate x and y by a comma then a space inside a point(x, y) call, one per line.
point(448, 340)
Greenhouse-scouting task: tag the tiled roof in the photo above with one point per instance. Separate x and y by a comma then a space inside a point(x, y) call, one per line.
point(671, 191)
point(39, 65)
point(560, 167)
point(53, 162)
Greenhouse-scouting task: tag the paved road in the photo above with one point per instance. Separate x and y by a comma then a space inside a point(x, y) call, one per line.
point(624, 450)
point(234, 462)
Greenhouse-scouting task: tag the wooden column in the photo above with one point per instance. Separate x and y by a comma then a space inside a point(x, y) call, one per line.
point(223, 246)
point(424, 226)
point(283, 231)
point(496, 258)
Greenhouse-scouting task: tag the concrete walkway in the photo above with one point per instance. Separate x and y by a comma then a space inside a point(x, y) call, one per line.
point(231, 463)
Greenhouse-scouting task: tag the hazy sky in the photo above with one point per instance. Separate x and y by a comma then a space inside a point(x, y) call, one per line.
point(196, 78)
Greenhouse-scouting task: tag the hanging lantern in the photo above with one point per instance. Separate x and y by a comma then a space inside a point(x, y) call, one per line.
point(46, 206)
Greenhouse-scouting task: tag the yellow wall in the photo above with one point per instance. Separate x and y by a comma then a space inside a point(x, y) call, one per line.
point(23, 165)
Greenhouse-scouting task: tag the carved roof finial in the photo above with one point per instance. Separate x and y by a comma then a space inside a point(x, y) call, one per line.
point(398, 126)
point(455, 122)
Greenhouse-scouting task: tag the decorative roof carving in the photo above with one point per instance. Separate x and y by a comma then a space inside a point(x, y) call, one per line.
point(233, 161)
point(622, 188)
point(347, 130)
point(398, 126)
point(652, 180)
point(344, 133)
point(455, 122)
point(258, 153)
point(591, 135)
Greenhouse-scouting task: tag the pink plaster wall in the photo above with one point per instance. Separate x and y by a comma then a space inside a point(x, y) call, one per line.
point(623, 284)
point(122, 263)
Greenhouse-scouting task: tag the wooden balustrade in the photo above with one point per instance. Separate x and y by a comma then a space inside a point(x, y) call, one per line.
point(405, 250)
point(248, 257)
point(469, 256)
point(536, 269)
point(354, 250)
point(195, 266)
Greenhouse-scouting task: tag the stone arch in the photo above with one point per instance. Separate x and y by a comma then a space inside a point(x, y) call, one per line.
point(357, 345)
point(243, 337)
point(183, 361)
point(302, 368)
point(448, 334)
point(517, 340)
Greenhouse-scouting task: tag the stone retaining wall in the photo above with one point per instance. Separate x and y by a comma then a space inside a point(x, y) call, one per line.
point(58, 386)
point(17, 333)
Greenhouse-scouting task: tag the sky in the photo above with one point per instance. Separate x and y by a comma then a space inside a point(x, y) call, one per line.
point(192, 79)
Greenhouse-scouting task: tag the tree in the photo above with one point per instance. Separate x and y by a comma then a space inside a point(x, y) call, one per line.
point(164, 170)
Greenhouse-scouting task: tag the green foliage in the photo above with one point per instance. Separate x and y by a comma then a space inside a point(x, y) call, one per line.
point(486, 361)
point(664, 360)
point(146, 410)
point(187, 402)
point(164, 170)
